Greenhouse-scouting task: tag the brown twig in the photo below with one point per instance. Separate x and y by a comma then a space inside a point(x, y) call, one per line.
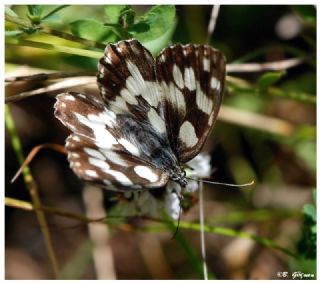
point(34, 152)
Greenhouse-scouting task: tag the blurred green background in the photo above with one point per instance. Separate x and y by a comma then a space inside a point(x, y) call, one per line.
point(266, 131)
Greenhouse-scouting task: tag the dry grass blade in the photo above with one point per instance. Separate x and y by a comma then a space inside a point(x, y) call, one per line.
point(65, 84)
point(257, 121)
point(260, 67)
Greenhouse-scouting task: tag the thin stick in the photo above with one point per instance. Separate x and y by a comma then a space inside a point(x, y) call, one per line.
point(213, 21)
point(33, 191)
point(202, 238)
point(48, 76)
point(260, 67)
point(34, 152)
point(64, 84)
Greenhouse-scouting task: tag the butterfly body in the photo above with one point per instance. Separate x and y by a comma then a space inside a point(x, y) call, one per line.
point(154, 116)
point(153, 148)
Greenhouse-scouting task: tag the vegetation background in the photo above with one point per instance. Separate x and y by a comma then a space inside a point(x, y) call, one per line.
point(266, 131)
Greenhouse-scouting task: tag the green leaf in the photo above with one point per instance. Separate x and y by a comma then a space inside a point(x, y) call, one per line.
point(92, 30)
point(307, 13)
point(139, 28)
point(310, 211)
point(306, 150)
point(34, 14)
point(10, 12)
point(268, 79)
point(53, 13)
point(35, 10)
point(113, 12)
point(161, 21)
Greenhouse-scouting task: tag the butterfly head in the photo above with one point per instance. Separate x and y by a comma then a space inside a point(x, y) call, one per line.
point(178, 175)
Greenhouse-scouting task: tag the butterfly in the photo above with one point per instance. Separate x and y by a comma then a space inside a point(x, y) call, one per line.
point(154, 115)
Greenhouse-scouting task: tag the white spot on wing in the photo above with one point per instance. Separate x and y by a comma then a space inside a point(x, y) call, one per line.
point(91, 173)
point(103, 137)
point(116, 158)
point(107, 59)
point(108, 118)
point(93, 153)
point(129, 146)
point(156, 121)
point(146, 173)
point(102, 165)
point(128, 96)
point(136, 85)
point(189, 79)
point(136, 78)
point(214, 83)
point(74, 155)
point(187, 134)
point(177, 76)
point(151, 93)
point(118, 106)
point(120, 177)
point(204, 103)
point(174, 96)
point(69, 97)
point(206, 64)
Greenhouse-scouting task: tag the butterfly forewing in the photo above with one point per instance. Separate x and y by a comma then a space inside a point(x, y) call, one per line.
point(127, 79)
point(191, 78)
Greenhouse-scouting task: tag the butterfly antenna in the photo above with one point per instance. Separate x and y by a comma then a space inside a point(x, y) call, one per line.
point(34, 152)
point(223, 184)
point(202, 235)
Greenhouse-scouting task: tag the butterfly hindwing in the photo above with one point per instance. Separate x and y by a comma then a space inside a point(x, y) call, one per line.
point(191, 78)
point(97, 150)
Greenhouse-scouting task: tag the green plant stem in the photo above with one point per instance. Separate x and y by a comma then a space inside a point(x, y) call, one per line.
point(30, 207)
point(233, 233)
point(57, 48)
point(155, 228)
point(33, 191)
point(73, 38)
point(60, 7)
point(300, 96)
point(45, 30)
point(235, 85)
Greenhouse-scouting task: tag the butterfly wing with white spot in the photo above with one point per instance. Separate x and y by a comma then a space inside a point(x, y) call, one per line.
point(98, 150)
point(192, 80)
point(127, 80)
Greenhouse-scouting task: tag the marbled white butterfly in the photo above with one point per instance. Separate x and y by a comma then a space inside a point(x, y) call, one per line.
point(155, 115)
